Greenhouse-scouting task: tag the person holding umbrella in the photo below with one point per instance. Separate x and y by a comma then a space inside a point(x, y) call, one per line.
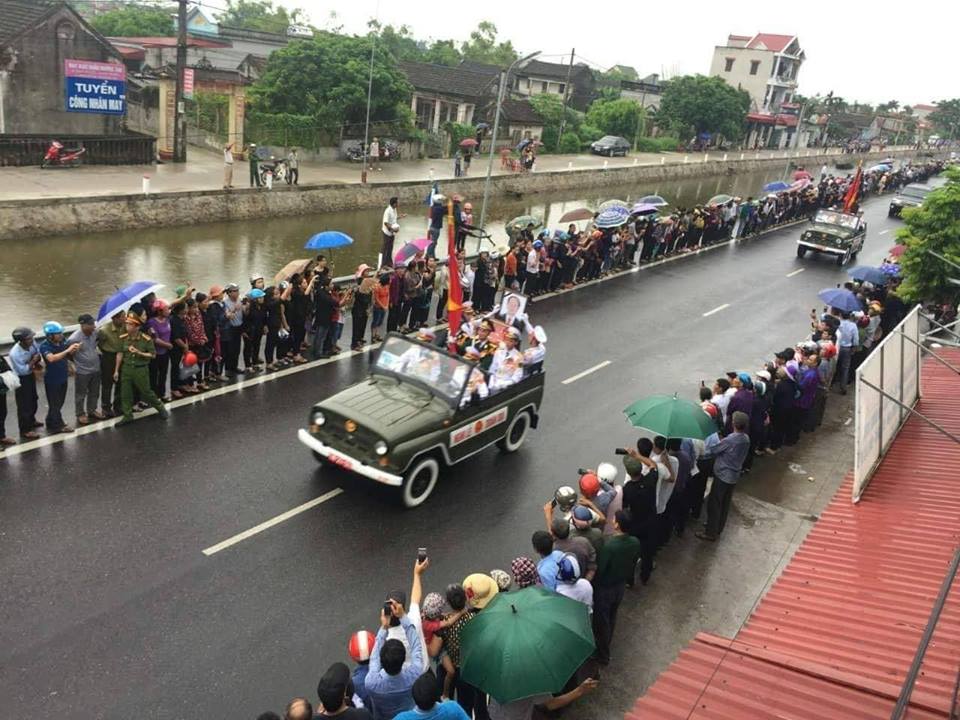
point(131, 370)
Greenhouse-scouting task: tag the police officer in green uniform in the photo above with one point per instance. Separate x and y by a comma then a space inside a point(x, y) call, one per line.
point(132, 370)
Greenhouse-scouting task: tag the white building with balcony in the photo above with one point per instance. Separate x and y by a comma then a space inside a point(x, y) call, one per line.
point(765, 65)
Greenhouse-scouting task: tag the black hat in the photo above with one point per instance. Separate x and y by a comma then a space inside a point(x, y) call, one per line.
point(333, 686)
point(86, 319)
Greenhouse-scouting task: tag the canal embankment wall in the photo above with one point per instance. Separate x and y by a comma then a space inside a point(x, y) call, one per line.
point(66, 216)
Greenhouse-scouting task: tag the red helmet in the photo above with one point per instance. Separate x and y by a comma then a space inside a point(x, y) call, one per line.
point(159, 305)
point(361, 645)
point(190, 359)
point(710, 409)
point(589, 484)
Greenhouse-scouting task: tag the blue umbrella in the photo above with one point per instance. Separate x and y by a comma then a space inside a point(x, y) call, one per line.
point(870, 274)
point(880, 167)
point(840, 298)
point(777, 186)
point(124, 298)
point(612, 217)
point(328, 240)
point(891, 269)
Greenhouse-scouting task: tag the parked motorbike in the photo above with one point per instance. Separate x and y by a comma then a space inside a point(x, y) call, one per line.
point(59, 156)
point(277, 168)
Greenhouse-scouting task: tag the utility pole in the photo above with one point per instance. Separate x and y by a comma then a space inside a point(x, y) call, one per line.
point(179, 139)
point(566, 94)
point(366, 127)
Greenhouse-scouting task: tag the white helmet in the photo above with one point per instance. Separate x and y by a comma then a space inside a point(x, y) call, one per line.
point(607, 472)
point(255, 277)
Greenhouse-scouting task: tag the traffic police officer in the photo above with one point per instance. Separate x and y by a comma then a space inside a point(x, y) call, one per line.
point(132, 373)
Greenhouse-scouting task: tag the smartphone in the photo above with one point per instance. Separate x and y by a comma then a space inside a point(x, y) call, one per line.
point(581, 471)
point(421, 554)
point(388, 609)
point(620, 451)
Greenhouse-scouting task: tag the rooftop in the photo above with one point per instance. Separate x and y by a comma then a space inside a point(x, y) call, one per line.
point(446, 80)
point(769, 41)
point(18, 16)
point(520, 111)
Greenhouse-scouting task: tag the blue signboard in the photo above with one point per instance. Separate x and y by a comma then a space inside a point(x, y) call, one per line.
point(95, 87)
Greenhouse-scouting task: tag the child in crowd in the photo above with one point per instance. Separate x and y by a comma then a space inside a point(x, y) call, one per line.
point(433, 621)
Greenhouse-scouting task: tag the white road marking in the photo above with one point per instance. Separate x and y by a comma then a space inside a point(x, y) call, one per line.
point(716, 310)
point(884, 232)
point(598, 366)
point(240, 537)
point(795, 272)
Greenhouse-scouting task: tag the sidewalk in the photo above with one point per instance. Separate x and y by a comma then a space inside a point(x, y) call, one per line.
point(204, 171)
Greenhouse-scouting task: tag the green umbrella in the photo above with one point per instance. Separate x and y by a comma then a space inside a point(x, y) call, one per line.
point(670, 416)
point(520, 223)
point(719, 200)
point(525, 643)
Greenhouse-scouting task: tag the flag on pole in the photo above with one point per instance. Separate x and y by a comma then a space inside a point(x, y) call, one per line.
point(853, 192)
point(455, 295)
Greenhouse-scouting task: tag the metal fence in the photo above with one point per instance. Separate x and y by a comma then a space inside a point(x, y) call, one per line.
point(128, 149)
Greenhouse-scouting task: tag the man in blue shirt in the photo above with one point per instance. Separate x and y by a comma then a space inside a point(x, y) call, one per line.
point(548, 566)
point(388, 681)
point(55, 352)
point(847, 338)
point(728, 455)
point(24, 359)
point(426, 696)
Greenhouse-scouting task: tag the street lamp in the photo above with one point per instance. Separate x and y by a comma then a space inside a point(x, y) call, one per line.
point(366, 127)
point(496, 128)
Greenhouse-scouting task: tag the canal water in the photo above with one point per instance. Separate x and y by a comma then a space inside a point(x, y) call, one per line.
point(59, 278)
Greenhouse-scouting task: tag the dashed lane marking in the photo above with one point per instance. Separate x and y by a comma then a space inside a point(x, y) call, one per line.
point(240, 537)
point(716, 310)
point(795, 272)
point(578, 376)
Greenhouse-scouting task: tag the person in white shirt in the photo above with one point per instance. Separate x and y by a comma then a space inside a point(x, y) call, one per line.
point(570, 584)
point(532, 285)
point(373, 156)
point(668, 467)
point(228, 166)
point(533, 356)
point(389, 229)
point(721, 396)
point(507, 350)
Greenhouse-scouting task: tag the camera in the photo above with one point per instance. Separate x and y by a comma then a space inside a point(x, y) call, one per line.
point(581, 471)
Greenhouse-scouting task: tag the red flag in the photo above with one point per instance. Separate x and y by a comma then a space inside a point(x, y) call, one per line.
point(853, 192)
point(455, 295)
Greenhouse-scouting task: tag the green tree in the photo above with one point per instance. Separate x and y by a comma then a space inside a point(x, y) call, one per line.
point(135, 21)
point(616, 117)
point(888, 107)
point(260, 15)
point(946, 118)
point(693, 104)
point(483, 47)
point(569, 143)
point(398, 41)
point(934, 226)
point(326, 78)
point(443, 52)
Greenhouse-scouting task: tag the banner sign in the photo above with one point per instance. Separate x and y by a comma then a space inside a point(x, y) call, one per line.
point(95, 87)
point(188, 83)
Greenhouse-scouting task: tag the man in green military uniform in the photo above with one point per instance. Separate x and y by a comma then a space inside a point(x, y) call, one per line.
point(132, 371)
point(254, 165)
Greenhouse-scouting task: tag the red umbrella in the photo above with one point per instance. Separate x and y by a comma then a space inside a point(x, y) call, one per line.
point(468, 142)
point(897, 250)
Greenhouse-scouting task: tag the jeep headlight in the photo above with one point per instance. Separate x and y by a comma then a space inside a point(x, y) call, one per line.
point(380, 448)
point(317, 418)
point(806, 235)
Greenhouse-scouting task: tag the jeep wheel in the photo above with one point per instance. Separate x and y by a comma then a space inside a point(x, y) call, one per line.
point(419, 481)
point(516, 433)
point(801, 251)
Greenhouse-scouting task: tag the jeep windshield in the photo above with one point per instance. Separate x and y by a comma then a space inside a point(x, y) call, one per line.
point(847, 223)
point(914, 193)
point(429, 368)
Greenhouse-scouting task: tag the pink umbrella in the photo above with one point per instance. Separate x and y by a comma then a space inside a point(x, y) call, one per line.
point(801, 175)
point(801, 184)
point(897, 250)
point(468, 142)
point(411, 249)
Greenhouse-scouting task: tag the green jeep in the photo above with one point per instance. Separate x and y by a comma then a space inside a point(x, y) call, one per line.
point(415, 414)
point(833, 233)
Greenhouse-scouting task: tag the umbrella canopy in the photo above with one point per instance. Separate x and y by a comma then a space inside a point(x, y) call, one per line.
point(880, 167)
point(653, 200)
point(521, 222)
point(468, 142)
point(719, 200)
point(294, 267)
point(607, 204)
point(897, 250)
point(124, 298)
point(612, 217)
point(778, 186)
point(801, 184)
point(577, 215)
point(327, 240)
point(891, 269)
point(419, 245)
point(670, 416)
point(525, 643)
point(840, 298)
point(801, 175)
point(643, 209)
point(482, 126)
point(867, 273)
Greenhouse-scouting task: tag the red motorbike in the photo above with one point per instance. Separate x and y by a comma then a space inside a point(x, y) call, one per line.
point(59, 156)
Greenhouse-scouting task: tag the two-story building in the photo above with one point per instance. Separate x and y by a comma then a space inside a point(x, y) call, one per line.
point(443, 94)
point(765, 65)
point(535, 77)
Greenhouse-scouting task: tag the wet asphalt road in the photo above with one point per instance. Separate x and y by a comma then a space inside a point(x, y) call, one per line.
point(110, 609)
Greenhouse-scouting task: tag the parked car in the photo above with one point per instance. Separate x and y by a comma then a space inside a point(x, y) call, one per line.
point(415, 415)
point(610, 145)
point(833, 233)
point(910, 196)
